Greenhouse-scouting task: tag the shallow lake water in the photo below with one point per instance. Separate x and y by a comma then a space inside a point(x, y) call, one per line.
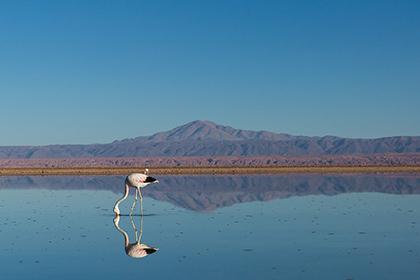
point(213, 227)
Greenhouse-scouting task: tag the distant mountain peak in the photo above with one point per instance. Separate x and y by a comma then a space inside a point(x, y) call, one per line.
point(210, 131)
point(201, 123)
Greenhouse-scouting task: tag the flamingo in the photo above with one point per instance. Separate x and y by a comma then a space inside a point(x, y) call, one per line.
point(137, 181)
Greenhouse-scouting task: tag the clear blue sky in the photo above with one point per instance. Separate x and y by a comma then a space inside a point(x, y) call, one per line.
point(95, 71)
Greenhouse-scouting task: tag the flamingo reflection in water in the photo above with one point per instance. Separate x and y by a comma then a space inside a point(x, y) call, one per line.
point(136, 181)
point(136, 249)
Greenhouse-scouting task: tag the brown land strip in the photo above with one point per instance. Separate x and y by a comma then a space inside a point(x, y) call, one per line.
point(206, 170)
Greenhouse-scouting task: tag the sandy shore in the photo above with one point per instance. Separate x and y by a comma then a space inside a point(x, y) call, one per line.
point(205, 170)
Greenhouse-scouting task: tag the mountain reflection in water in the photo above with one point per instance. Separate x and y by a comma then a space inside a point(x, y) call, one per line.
point(207, 193)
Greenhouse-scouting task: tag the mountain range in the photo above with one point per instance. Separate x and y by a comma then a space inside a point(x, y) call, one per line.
point(205, 138)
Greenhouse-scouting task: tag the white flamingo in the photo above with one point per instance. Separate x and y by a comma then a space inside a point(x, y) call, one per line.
point(137, 181)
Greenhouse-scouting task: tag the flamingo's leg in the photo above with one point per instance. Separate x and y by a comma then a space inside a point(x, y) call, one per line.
point(134, 203)
point(141, 217)
point(141, 202)
point(133, 224)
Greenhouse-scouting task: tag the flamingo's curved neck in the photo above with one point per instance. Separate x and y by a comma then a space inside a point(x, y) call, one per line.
point(123, 232)
point(127, 190)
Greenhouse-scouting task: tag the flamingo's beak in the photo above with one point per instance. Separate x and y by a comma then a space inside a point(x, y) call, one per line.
point(116, 212)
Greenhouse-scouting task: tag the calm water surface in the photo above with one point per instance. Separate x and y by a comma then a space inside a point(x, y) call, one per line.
point(213, 227)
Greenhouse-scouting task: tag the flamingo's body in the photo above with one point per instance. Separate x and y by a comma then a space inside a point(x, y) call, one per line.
point(139, 180)
point(136, 181)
